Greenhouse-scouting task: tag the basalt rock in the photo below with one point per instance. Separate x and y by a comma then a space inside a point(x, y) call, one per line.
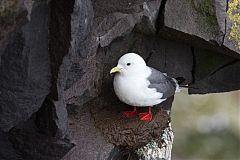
point(24, 71)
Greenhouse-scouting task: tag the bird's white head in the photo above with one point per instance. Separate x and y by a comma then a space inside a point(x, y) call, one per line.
point(130, 64)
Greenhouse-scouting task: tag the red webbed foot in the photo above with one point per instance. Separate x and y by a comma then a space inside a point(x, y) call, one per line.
point(146, 116)
point(130, 113)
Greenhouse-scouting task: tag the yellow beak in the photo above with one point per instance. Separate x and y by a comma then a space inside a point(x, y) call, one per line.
point(115, 69)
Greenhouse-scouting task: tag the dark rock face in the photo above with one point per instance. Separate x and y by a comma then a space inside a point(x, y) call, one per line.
point(88, 140)
point(60, 35)
point(56, 55)
point(31, 143)
point(214, 73)
point(7, 152)
point(24, 67)
point(199, 19)
point(205, 19)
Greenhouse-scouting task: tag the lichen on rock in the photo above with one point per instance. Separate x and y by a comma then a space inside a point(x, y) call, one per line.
point(234, 17)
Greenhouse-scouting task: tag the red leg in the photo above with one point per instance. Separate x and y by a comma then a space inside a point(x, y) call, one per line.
point(130, 113)
point(146, 116)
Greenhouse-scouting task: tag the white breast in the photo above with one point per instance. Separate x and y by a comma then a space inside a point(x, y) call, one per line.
point(134, 91)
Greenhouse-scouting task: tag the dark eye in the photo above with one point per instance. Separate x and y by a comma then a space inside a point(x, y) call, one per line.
point(128, 64)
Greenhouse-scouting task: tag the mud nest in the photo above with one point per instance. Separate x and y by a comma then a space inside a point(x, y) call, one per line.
point(121, 131)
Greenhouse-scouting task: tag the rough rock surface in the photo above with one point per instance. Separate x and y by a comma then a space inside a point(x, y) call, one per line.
point(24, 71)
point(31, 143)
point(199, 19)
point(7, 152)
point(55, 58)
point(84, 133)
point(205, 19)
point(59, 43)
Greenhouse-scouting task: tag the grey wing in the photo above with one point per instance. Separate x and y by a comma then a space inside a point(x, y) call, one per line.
point(162, 83)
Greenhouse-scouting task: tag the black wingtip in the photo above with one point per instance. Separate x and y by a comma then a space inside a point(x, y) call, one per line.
point(180, 80)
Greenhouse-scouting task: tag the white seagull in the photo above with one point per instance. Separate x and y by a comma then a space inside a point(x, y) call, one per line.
point(139, 85)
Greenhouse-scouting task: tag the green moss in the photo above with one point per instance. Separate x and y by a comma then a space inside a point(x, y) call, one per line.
point(234, 17)
point(206, 12)
point(205, 7)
